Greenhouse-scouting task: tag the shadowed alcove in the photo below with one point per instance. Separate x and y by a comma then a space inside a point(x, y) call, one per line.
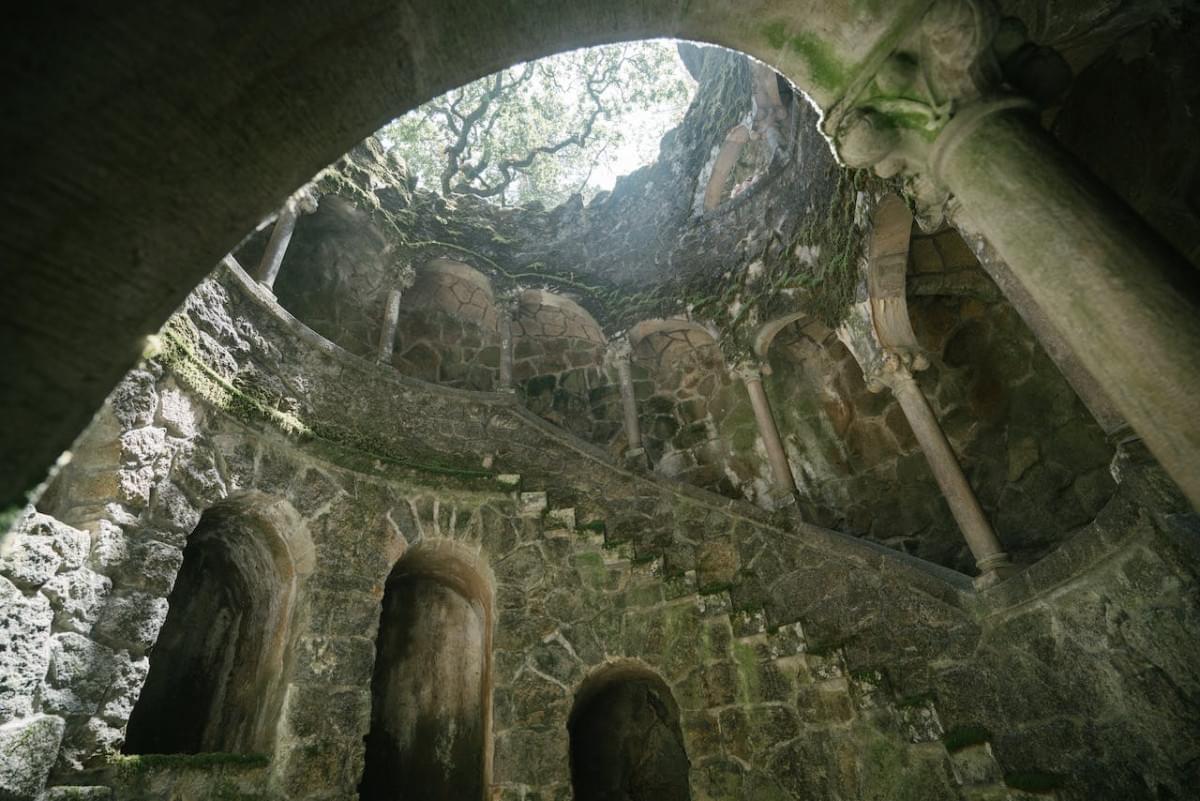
point(431, 692)
point(216, 672)
point(626, 742)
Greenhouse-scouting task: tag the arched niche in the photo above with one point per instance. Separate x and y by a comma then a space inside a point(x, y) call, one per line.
point(216, 679)
point(692, 405)
point(448, 331)
point(625, 737)
point(558, 364)
point(430, 735)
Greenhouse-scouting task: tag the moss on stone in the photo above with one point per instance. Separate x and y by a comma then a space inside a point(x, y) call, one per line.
point(129, 767)
point(241, 403)
point(747, 669)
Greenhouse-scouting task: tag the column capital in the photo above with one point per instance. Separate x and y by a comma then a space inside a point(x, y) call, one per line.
point(961, 59)
point(619, 350)
point(748, 371)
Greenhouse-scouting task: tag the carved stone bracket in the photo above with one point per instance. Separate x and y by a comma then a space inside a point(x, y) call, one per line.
point(961, 60)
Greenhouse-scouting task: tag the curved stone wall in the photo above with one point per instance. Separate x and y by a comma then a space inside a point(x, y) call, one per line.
point(784, 649)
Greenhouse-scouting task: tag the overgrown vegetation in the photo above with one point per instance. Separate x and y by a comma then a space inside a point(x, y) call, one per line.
point(547, 129)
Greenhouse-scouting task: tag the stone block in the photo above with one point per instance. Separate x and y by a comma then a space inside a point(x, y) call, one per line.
point(77, 598)
point(27, 751)
point(30, 560)
point(531, 504)
point(920, 722)
point(25, 629)
point(975, 765)
point(131, 620)
point(134, 401)
point(79, 793)
point(562, 518)
point(178, 414)
point(344, 661)
point(152, 566)
point(171, 509)
point(313, 710)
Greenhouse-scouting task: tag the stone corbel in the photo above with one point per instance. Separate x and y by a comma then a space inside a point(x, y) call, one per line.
point(961, 61)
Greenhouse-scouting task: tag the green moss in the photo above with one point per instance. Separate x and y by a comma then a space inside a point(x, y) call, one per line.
point(824, 67)
point(132, 766)
point(1035, 781)
point(246, 404)
point(964, 736)
point(591, 569)
point(748, 679)
point(592, 525)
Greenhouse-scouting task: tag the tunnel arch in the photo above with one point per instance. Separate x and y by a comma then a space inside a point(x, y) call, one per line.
point(242, 577)
point(149, 244)
point(625, 736)
point(431, 712)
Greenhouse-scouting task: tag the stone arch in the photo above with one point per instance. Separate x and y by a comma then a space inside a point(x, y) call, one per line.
point(243, 572)
point(691, 405)
point(431, 692)
point(141, 259)
point(792, 327)
point(448, 330)
point(625, 736)
point(558, 365)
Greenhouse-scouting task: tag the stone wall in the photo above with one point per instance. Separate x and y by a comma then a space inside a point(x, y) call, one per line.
point(1032, 452)
point(804, 663)
point(695, 417)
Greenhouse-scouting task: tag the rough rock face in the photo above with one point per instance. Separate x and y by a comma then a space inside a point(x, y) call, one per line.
point(27, 749)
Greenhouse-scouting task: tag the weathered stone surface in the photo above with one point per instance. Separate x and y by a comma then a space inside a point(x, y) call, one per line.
point(27, 749)
point(131, 620)
point(30, 560)
point(77, 598)
point(25, 630)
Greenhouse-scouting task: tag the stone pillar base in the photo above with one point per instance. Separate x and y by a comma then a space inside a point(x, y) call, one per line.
point(636, 459)
point(993, 570)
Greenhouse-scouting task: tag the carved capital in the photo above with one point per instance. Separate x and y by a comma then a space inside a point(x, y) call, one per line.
point(747, 372)
point(619, 352)
point(961, 56)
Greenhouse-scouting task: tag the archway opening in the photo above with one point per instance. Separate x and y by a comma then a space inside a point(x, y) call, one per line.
point(431, 691)
point(216, 672)
point(626, 740)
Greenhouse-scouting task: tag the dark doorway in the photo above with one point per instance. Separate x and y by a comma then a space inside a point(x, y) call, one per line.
point(626, 744)
point(215, 672)
point(429, 718)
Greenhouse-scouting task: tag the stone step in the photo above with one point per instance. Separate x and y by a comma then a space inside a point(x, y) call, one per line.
point(975, 765)
point(532, 504)
point(561, 518)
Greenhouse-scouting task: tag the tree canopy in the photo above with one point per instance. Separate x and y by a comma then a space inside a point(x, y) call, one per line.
point(544, 130)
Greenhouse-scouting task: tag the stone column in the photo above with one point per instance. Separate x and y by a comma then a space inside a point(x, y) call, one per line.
point(281, 236)
point(1126, 304)
point(619, 355)
point(990, 558)
point(505, 311)
point(752, 376)
point(940, 112)
point(387, 334)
